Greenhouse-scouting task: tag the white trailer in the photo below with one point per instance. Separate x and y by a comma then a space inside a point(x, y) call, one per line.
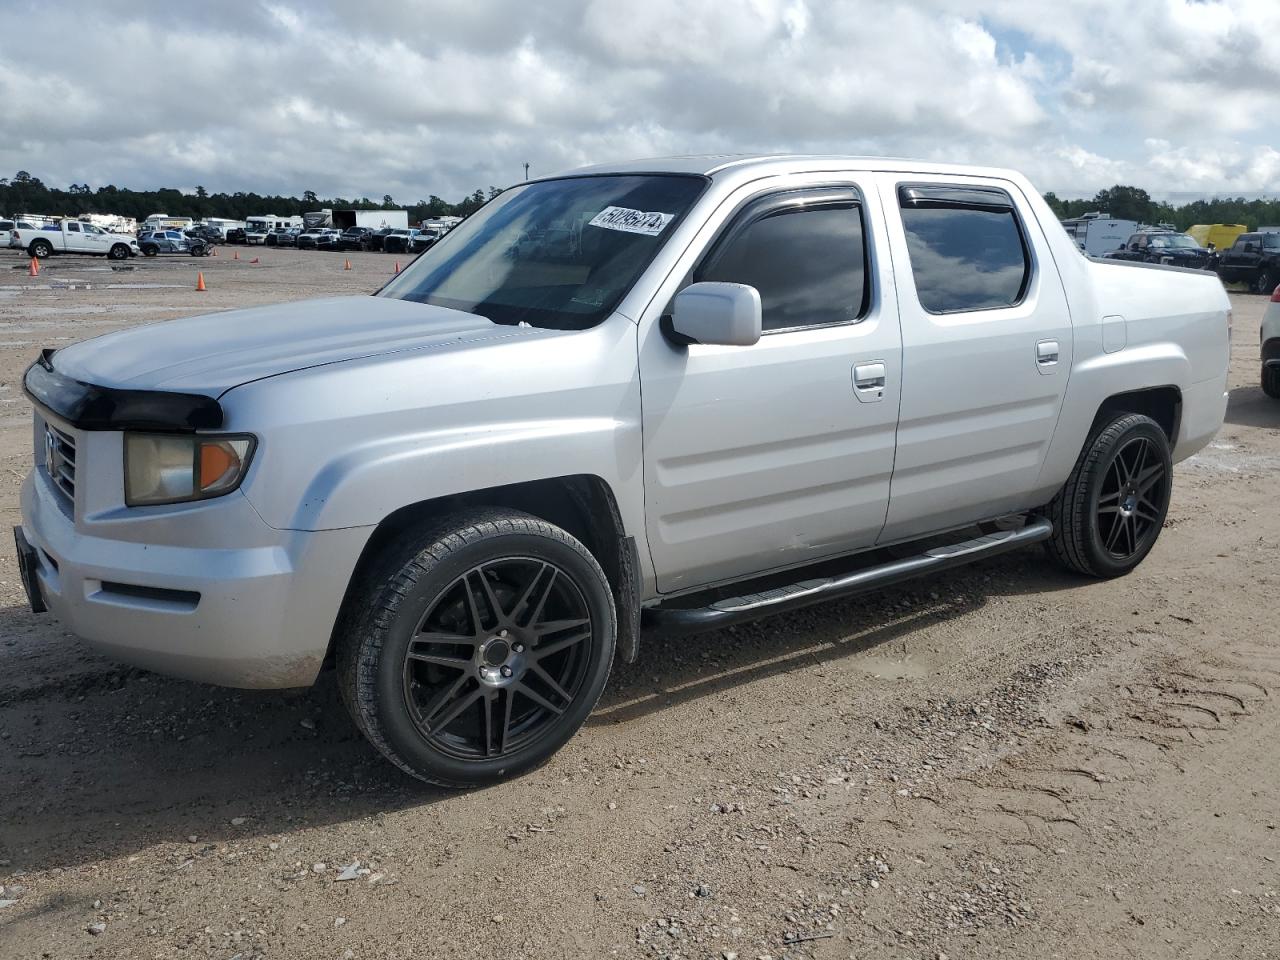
point(162, 221)
point(222, 224)
point(373, 219)
point(1097, 234)
point(257, 228)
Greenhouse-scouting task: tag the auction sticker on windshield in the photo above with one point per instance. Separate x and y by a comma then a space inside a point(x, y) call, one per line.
point(631, 221)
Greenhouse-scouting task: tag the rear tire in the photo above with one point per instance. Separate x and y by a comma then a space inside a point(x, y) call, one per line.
point(1271, 382)
point(40, 249)
point(1109, 513)
point(475, 646)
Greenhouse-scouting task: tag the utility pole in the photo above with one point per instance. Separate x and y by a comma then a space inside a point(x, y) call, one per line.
point(526, 170)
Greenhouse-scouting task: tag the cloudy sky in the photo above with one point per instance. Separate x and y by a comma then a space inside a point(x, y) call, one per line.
point(364, 98)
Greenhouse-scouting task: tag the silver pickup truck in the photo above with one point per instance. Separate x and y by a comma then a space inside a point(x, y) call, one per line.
point(680, 393)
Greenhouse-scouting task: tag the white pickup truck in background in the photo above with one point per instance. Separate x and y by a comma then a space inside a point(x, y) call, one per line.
point(72, 236)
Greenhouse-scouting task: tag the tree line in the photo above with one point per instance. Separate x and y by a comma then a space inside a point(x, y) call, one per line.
point(27, 194)
point(1134, 203)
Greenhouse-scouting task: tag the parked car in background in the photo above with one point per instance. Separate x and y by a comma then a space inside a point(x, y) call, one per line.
point(397, 241)
point(72, 236)
point(156, 242)
point(1271, 347)
point(307, 238)
point(1254, 260)
point(425, 239)
point(356, 238)
point(209, 235)
point(734, 370)
point(378, 238)
point(288, 237)
point(235, 235)
point(330, 239)
point(1165, 246)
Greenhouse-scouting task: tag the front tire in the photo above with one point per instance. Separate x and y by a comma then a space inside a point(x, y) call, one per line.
point(1265, 282)
point(474, 647)
point(1109, 513)
point(119, 251)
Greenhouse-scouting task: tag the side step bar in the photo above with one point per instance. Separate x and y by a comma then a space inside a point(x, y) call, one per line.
point(732, 610)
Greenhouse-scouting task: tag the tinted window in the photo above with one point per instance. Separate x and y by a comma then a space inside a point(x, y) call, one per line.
point(965, 256)
point(808, 264)
point(73, 227)
point(1271, 241)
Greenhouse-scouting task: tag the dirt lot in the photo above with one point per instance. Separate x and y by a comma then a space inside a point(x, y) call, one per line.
point(1006, 761)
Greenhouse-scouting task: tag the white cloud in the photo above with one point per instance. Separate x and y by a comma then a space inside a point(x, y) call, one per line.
point(361, 99)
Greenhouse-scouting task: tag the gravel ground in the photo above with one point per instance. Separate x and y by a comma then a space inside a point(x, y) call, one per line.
point(1002, 761)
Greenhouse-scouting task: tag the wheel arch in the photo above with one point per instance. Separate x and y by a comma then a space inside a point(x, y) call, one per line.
point(582, 504)
point(1162, 404)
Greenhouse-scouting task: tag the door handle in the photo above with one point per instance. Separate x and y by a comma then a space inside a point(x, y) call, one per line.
point(1046, 353)
point(869, 380)
point(869, 376)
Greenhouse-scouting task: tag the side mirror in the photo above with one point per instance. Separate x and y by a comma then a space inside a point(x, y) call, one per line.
point(717, 313)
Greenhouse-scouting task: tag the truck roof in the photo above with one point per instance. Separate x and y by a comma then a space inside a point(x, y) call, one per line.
point(712, 165)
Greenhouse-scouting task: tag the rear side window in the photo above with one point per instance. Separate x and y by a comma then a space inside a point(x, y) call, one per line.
point(1271, 241)
point(966, 246)
point(807, 261)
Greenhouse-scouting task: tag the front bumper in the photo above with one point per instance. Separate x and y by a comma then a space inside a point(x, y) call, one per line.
point(256, 616)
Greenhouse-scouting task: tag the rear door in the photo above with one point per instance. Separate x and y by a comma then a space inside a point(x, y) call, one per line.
point(986, 342)
point(1238, 262)
point(780, 453)
point(73, 238)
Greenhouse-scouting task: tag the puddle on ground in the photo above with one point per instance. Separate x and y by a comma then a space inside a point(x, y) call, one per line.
point(887, 668)
point(32, 312)
point(146, 286)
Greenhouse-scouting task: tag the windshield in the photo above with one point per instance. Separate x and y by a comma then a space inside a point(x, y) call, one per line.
point(557, 253)
point(1176, 240)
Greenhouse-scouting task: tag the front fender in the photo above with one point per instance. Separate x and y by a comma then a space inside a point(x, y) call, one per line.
point(369, 482)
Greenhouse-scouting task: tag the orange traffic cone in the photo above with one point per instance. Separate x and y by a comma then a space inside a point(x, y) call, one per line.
point(34, 269)
point(200, 281)
point(235, 255)
point(347, 266)
point(254, 260)
point(397, 266)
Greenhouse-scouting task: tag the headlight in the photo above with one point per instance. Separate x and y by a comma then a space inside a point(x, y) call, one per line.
point(174, 468)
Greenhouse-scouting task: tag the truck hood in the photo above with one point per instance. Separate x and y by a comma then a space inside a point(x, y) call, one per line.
point(213, 353)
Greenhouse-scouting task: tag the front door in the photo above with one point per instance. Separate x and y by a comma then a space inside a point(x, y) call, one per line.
point(780, 453)
point(987, 341)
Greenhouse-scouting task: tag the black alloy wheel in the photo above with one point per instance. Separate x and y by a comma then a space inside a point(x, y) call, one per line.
point(1109, 513)
point(474, 646)
point(499, 656)
point(1132, 499)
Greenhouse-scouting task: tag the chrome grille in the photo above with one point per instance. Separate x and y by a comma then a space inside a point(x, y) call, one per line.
point(60, 459)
